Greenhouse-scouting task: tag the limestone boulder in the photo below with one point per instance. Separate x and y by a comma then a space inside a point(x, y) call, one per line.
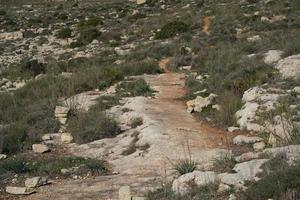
point(242, 139)
point(40, 148)
point(289, 67)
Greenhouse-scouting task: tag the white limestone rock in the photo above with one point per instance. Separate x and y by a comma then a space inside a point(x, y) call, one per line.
point(40, 148)
point(272, 56)
point(289, 67)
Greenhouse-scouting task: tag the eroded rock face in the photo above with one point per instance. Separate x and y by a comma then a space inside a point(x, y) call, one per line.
point(289, 67)
point(280, 128)
point(182, 184)
point(292, 152)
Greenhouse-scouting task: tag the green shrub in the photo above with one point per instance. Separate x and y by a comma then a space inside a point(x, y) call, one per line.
point(135, 122)
point(185, 166)
point(86, 36)
point(91, 126)
point(137, 87)
point(171, 29)
point(64, 33)
point(33, 67)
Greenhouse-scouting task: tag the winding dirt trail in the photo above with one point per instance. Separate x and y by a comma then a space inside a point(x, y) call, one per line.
point(168, 130)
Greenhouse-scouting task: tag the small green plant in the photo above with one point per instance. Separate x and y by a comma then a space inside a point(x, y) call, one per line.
point(91, 126)
point(171, 29)
point(224, 164)
point(135, 122)
point(64, 33)
point(185, 166)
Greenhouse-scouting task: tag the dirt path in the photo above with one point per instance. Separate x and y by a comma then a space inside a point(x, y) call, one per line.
point(167, 130)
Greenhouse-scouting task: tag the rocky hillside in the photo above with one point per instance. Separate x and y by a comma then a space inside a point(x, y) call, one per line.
point(153, 100)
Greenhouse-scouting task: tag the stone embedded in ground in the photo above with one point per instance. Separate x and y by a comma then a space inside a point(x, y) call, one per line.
point(233, 129)
point(247, 156)
point(289, 67)
point(35, 182)
point(66, 138)
point(40, 148)
point(3, 156)
point(18, 190)
point(125, 193)
point(259, 146)
point(182, 184)
point(242, 139)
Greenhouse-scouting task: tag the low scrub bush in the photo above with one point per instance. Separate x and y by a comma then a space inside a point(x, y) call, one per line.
point(135, 122)
point(49, 166)
point(91, 126)
point(224, 164)
point(64, 33)
point(171, 29)
point(137, 87)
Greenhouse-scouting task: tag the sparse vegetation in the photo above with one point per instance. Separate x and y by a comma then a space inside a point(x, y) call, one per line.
point(185, 166)
point(87, 127)
point(224, 164)
point(137, 87)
